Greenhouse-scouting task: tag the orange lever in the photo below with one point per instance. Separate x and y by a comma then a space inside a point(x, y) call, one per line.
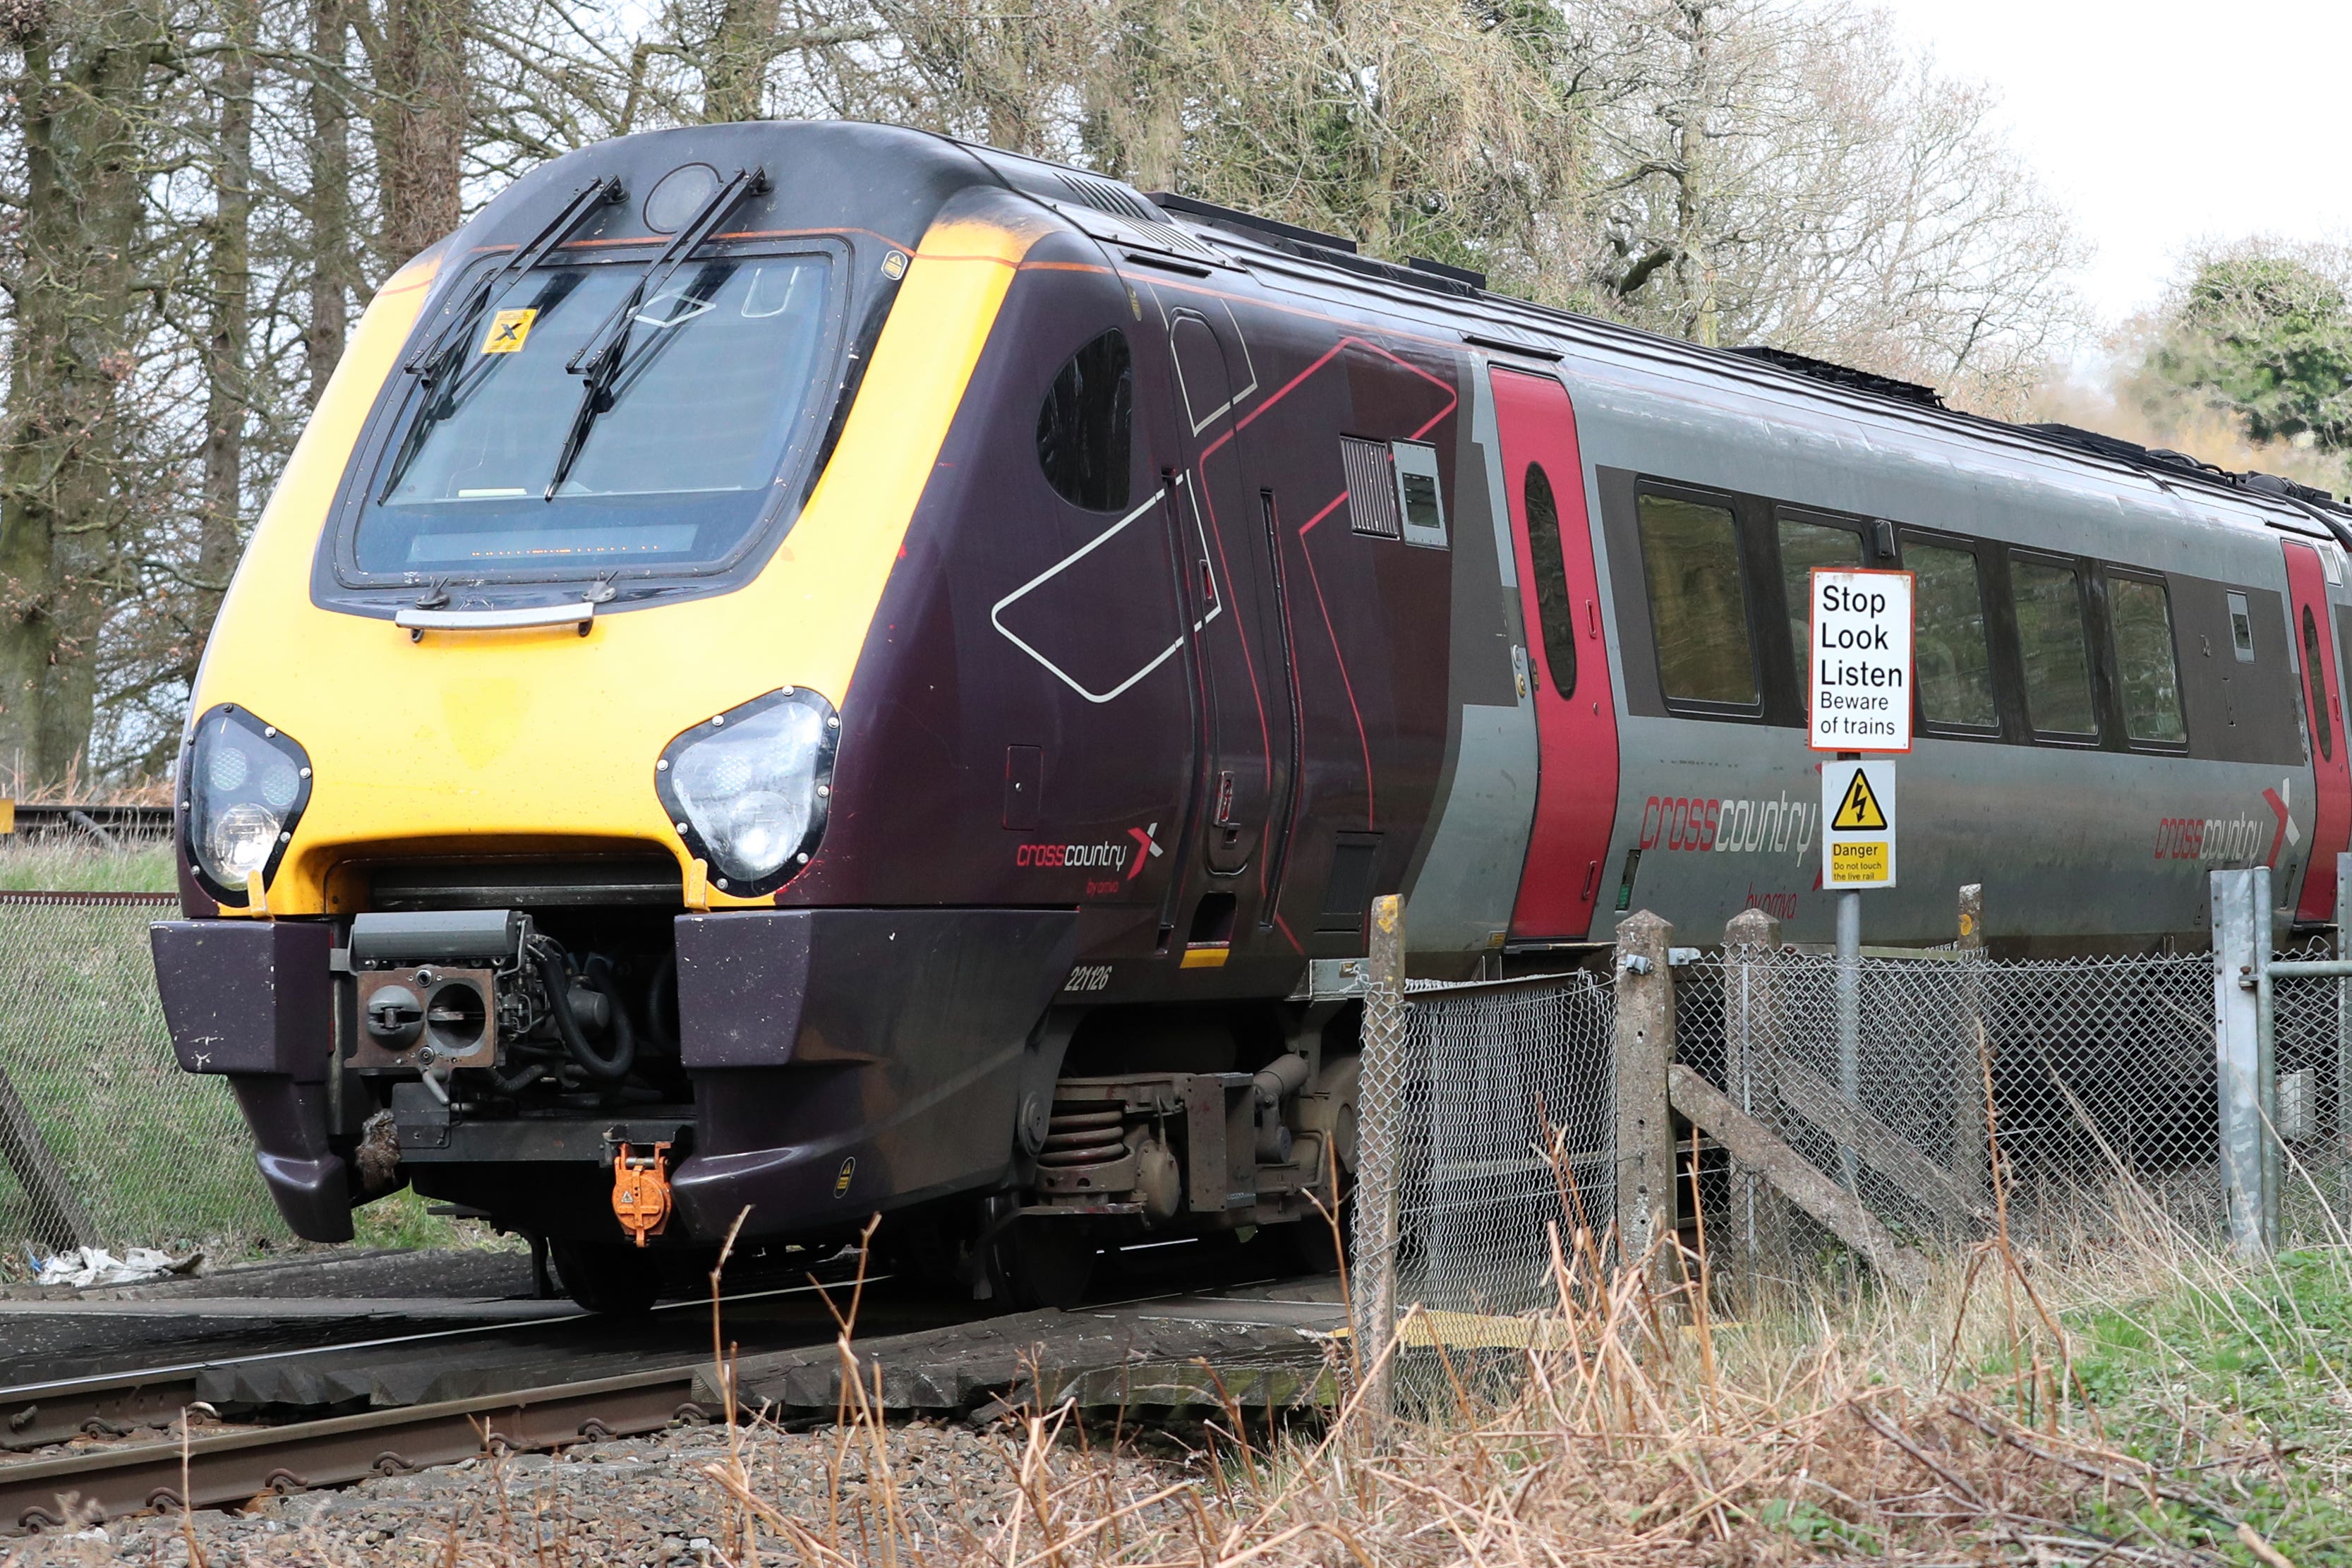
point(641, 1191)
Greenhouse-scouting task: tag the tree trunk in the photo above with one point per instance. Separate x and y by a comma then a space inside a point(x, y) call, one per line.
point(229, 333)
point(421, 122)
point(1135, 119)
point(735, 73)
point(329, 206)
point(80, 102)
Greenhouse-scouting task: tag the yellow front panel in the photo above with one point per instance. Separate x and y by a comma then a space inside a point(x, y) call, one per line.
point(517, 740)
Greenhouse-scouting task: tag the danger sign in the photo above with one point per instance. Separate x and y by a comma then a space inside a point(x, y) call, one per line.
point(1857, 825)
point(1860, 659)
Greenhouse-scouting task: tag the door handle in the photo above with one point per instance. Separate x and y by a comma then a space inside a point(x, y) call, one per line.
point(1592, 618)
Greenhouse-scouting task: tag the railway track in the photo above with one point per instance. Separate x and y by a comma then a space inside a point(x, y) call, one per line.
point(230, 1467)
point(110, 825)
point(1145, 1352)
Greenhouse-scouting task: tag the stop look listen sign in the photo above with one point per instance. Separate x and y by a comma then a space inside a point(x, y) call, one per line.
point(1860, 662)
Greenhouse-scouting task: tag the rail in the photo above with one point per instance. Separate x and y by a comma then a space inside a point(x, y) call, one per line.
point(228, 1467)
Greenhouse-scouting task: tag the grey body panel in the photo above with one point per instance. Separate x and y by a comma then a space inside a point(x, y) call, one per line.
point(1461, 886)
point(2068, 842)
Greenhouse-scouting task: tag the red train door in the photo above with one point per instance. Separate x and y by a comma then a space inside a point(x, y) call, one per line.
point(2331, 769)
point(1576, 713)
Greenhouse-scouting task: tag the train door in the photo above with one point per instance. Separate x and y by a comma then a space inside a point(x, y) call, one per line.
point(1576, 712)
point(1228, 575)
point(2331, 768)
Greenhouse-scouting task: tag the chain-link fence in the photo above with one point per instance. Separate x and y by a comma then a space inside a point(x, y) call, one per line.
point(1505, 1135)
point(1942, 1091)
point(1495, 1107)
point(103, 1140)
point(2311, 1021)
point(2098, 1075)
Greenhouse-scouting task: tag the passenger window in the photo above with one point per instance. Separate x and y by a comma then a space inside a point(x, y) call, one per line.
point(2316, 674)
point(1084, 429)
point(2145, 665)
point(2057, 654)
point(1554, 609)
point(1950, 654)
point(1803, 546)
point(1698, 602)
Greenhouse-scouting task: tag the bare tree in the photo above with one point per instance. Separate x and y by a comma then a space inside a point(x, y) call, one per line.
point(83, 85)
point(420, 108)
point(327, 201)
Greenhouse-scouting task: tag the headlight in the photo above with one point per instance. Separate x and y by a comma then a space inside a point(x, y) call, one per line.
point(242, 790)
point(748, 790)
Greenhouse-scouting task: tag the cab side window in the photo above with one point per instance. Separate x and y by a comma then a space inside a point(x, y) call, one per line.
point(1085, 428)
point(1698, 602)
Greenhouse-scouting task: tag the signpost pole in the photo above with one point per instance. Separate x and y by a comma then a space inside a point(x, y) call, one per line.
point(1849, 1011)
point(1849, 1020)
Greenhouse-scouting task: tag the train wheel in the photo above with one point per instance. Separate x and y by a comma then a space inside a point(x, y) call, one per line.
point(619, 1281)
point(1042, 1263)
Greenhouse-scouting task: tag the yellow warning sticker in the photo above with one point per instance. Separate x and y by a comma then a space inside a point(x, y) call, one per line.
point(509, 329)
point(1867, 861)
point(1859, 812)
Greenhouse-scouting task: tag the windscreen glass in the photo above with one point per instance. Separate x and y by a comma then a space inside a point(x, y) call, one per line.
point(675, 464)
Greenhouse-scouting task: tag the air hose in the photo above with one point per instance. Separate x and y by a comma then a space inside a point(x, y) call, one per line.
point(612, 1068)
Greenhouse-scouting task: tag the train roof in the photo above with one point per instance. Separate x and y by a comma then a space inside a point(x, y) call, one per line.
point(1171, 231)
point(1486, 319)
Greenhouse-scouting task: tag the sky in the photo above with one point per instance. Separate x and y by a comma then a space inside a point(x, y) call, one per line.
point(2163, 123)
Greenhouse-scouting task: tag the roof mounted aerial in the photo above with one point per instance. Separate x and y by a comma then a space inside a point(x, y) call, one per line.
point(1844, 376)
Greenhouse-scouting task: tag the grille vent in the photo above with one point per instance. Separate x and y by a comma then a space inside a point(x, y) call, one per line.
point(1105, 198)
point(1371, 487)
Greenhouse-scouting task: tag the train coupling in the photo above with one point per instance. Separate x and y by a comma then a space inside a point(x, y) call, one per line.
point(641, 1199)
point(435, 988)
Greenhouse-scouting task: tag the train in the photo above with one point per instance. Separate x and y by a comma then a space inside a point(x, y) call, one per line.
point(806, 671)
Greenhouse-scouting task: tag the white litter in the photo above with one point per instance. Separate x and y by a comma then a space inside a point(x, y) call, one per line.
point(85, 1267)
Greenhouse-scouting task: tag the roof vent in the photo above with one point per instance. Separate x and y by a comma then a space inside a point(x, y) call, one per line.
point(1104, 196)
point(1843, 375)
point(1234, 217)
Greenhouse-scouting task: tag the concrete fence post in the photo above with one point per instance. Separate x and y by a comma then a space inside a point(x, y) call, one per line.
point(2241, 909)
point(1971, 1152)
point(1378, 1100)
point(1645, 1133)
point(1752, 1040)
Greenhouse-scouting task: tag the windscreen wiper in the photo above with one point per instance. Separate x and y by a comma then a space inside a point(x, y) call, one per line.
point(445, 348)
point(600, 358)
point(524, 259)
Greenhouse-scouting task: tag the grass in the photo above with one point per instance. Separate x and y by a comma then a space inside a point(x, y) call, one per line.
point(82, 865)
point(399, 1220)
point(2230, 1362)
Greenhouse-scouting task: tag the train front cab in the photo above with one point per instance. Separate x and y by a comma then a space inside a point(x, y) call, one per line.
point(482, 864)
point(508, 910)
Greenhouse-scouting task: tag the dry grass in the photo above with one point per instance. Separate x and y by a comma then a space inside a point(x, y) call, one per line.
point(1987, 1418)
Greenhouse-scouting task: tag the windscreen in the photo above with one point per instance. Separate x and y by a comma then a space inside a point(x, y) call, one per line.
point(676, 460)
